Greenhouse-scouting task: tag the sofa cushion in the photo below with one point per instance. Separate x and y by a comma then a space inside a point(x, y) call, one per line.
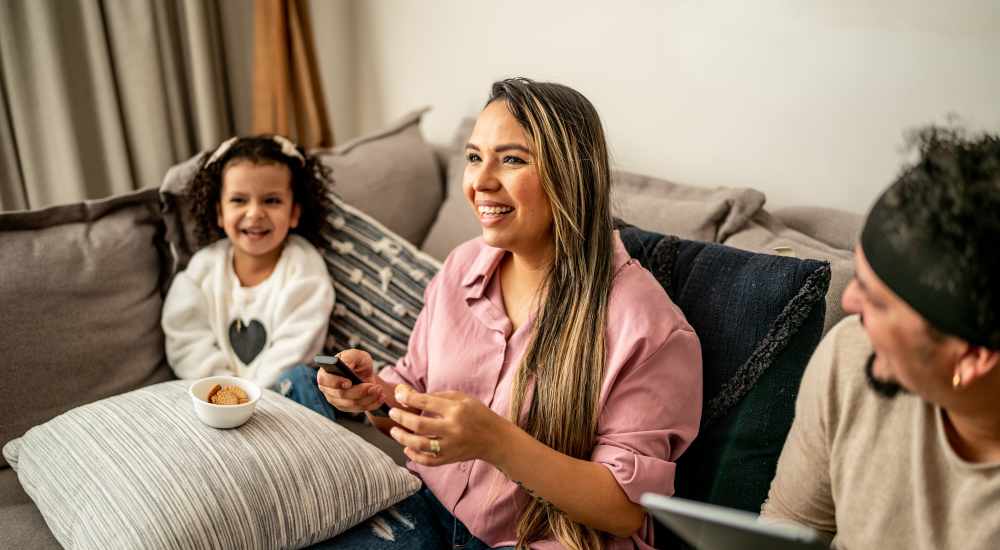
point(379, 280)
point(758, 318)
point(20, 521)
point(392, 174)
point(687, 211)
point(456, 222)
point(81, 295)
point(835, 228)
point(709, 214)
point(765, 233)
point(139, 470)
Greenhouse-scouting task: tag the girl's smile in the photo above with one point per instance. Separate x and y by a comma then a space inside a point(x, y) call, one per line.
point(257, 210)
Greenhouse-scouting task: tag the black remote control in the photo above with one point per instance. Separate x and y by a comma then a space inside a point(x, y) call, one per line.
point(333, 365)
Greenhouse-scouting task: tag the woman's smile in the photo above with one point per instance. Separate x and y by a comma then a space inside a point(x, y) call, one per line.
point(492, 213)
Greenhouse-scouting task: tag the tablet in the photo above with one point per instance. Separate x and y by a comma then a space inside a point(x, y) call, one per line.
point(710, 527)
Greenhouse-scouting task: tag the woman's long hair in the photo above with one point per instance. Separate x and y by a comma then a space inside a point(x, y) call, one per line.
point(565, 360)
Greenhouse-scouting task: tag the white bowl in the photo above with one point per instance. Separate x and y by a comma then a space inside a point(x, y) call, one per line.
point(223, 416)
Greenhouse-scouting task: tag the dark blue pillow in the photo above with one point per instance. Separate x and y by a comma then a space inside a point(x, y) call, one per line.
point(759, 317)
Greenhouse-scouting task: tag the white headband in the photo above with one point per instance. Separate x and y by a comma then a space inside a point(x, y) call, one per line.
point(287, 148)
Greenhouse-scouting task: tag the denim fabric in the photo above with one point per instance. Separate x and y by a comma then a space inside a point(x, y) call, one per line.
point(299, 384)
point(418, 522)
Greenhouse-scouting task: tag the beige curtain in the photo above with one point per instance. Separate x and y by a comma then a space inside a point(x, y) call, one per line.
point(287, 92)
point(100, 97)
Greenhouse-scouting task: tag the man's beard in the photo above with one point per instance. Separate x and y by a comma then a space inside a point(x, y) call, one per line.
point(882, 388)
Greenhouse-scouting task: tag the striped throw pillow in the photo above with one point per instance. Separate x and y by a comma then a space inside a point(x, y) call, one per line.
point(379, 279)
point(139, 470)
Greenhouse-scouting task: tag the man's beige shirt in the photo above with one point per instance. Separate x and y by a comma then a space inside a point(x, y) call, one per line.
point(877, 473)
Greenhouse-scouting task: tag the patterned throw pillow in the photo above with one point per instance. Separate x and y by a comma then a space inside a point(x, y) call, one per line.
point(379, 280)
point(139, 470)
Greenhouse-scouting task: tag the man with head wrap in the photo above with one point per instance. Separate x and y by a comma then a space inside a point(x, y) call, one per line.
point(896, 438)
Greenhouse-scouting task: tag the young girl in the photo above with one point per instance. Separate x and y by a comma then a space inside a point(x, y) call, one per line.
point(255, 302)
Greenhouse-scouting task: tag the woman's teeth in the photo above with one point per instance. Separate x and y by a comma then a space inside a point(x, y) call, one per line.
point(494, 210)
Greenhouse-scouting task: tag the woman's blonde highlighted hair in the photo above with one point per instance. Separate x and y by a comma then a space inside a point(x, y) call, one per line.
point(565, 361)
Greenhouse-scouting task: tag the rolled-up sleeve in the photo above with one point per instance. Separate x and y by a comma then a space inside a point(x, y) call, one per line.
point(651, 415)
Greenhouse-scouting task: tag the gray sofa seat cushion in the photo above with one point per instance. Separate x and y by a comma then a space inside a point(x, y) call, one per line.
point(21, 523)
point(81, 293)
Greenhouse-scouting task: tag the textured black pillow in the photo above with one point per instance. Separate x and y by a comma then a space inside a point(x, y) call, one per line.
point(759, 317)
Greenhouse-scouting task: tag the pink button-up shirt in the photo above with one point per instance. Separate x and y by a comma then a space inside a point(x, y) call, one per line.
point(650, 399)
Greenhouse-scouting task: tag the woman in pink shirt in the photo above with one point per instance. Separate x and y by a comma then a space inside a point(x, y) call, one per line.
point(549, 380)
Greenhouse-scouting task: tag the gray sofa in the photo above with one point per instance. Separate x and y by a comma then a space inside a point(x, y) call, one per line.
point(81, 285)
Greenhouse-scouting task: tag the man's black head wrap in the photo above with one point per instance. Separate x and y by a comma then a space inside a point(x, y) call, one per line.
point(934, 236)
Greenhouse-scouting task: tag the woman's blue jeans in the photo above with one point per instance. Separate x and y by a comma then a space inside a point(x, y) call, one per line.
point(419, 522)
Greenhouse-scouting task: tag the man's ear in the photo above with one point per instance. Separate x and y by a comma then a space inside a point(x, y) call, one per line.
point(976, 363)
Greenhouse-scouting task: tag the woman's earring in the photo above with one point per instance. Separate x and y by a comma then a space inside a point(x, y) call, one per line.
point(956, 381)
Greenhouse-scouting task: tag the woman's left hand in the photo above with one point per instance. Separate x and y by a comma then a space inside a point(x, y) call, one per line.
point(458, 427)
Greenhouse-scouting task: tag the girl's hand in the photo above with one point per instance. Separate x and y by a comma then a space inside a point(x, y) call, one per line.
point(339, 391)
point(458, 427)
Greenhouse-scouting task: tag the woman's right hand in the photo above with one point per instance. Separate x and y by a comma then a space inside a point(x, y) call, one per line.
point(353, 398)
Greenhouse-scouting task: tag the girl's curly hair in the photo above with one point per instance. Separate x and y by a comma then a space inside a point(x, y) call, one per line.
point(311, 182)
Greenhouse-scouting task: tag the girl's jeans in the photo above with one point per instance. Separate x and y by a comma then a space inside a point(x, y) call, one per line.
point(299, 384)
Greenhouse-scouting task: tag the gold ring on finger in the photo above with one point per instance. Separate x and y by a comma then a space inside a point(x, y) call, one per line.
point(435, 447)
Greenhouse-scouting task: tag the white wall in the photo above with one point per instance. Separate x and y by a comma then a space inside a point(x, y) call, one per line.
point(804, 99)
point(333, 29)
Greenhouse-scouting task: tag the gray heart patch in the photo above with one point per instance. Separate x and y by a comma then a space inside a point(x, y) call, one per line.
point(247, 339)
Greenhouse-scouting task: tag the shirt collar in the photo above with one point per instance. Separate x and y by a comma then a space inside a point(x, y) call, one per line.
point(481, 270)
